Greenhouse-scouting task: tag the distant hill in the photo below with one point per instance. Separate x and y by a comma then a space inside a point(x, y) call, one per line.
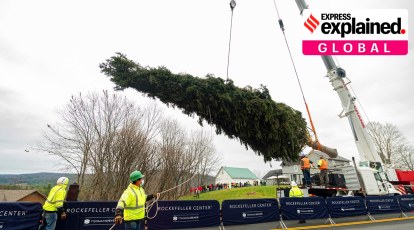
point(45, 178)
point(42, 178)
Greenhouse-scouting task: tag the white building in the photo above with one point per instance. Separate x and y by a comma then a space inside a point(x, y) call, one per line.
point(227, 175)
point(276, 177)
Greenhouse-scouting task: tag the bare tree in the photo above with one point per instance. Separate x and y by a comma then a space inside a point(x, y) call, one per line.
point(183, 157)
point(387, 140)
point(201, 143)
point(172, 150)
point(103, 138)
point(404, 157)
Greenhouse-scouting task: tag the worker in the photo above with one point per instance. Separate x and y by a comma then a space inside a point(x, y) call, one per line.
point(305, 165)
point(323, 167)
point(295, 191)
point(53, 206)
point(131, 205)
point(197, 192)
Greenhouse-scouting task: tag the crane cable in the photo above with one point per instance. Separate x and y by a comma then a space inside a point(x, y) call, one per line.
point(232, 6)
point(296, 73)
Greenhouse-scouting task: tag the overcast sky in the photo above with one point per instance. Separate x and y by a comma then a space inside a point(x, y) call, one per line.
point(50, 50)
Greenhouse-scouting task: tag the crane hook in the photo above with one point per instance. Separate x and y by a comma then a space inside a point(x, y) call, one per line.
point(232, 4)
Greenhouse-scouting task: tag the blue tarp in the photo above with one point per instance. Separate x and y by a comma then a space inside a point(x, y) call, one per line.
point(346, 206)
point(20, 215)
point(406, 203)
point(249, 211)
point(303, 208)
point(89, 215)
point(184, 214)
point(382, 204)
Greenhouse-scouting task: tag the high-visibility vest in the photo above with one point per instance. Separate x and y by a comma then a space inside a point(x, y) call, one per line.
point(55, 198)
point(306, 163)
point(132, 202)
point(295, 191)
point(323, 164)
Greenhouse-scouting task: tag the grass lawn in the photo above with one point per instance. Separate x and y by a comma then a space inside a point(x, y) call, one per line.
point(252, 192)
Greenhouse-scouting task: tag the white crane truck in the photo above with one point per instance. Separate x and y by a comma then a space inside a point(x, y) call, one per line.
point(371, 176)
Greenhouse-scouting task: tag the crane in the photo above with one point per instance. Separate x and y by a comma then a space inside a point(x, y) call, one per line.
point(370, 165)
point(337, 77)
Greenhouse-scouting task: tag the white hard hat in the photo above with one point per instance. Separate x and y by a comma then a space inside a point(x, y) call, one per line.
point(293, 184)
point(63, 181)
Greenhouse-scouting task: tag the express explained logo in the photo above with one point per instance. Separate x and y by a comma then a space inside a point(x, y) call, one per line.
point(344, 24)
point(355, 32)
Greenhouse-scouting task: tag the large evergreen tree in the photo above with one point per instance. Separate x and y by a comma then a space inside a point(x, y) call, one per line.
point(273, 130)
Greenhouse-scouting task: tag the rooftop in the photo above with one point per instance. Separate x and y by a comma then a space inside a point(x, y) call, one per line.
point(240, 173)
point(16, 195)
point(273, 173)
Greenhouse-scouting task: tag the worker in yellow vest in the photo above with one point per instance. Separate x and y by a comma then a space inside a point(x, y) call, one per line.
point(295, 191)
point(131, 205)
point(323, 175)
point(53, 206)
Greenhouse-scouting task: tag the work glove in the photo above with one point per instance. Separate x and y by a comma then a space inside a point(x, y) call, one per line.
point(158, 195)
point(63, 216)
point(118, 220)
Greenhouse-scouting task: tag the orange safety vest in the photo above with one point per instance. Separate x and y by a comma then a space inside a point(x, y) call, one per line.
point(306, 163)
point(323, 164)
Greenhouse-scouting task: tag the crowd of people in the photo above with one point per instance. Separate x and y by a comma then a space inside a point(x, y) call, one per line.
point(219, 186)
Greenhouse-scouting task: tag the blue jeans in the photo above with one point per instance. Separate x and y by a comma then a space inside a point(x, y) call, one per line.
point(306, 175)
point(134, 225)
point(50, 219)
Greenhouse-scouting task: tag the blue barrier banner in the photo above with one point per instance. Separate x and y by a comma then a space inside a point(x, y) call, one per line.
point(20, 215)
point(382, 204)
point(89, 215)
point(406, 203)
point(249, 211)
point(346, 206)
point(303, 208)
point(184, 214)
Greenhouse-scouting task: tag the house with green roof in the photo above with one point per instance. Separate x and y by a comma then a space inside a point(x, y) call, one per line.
point(227, 175)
